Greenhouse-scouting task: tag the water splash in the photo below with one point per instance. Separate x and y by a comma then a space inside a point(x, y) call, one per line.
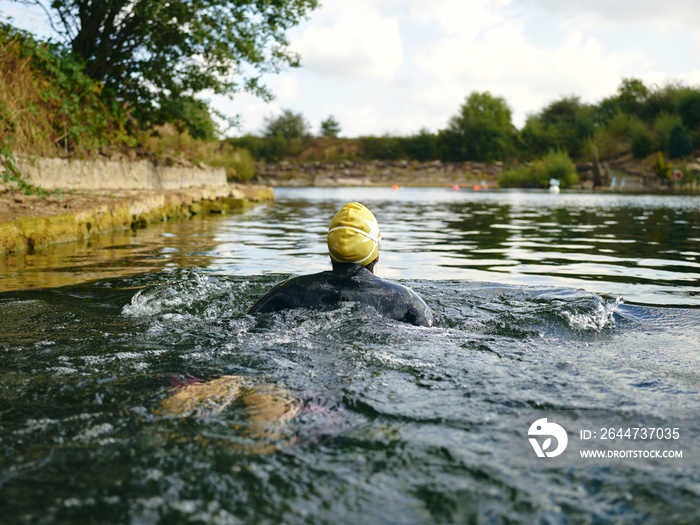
point(595, 318)
point(206, 295)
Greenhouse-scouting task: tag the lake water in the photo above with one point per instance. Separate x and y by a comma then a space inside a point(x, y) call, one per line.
point(134, 389)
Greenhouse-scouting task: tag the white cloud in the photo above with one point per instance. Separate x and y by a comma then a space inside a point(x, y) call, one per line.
point(660, 14)
point(503, 61)
point(287, 88)
point(457, 16)
point(351, 39)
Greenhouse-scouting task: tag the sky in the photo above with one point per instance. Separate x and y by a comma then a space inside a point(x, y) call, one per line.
point(398, 66)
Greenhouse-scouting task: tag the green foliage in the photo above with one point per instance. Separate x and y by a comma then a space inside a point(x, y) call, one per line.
point(239, 163)
point(268, 149)
point(565, 124)
point(187, 114)
point(518, 177)
point(49, 106)
point(662, 100)
point(663, 124)
point(11, 175)
point(554, 165)
point(382, 148)
point(146, 51)
point(330, 127)
point(288, 125)
point(481, 131)
point(679, 142)
point(662, 168)
point(688, 104)
point(421, 147)
point(632, 95)
point(558, 165)
point(641, 143)
point(66, 105)
point(612, 139)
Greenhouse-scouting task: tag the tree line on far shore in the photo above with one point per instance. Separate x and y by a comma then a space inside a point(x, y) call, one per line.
point(638, 119)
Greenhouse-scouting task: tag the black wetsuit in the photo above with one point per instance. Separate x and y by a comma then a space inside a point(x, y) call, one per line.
point(347, 283)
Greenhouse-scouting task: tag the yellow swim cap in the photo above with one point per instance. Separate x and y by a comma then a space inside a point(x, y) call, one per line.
point(353, 235)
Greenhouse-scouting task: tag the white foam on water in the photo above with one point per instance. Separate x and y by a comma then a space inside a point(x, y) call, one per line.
point(602, 316)
point(94, 431)
point(172, 298)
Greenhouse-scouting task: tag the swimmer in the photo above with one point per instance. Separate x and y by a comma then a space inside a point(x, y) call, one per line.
point(353, 244)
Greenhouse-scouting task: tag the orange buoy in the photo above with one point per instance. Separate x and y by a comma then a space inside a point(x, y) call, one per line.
point(476, 187)
point(395, 187)
point(455, 187)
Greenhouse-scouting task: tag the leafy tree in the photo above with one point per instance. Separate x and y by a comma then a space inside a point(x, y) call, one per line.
point(632, 94)
point(330, 127)
point(641, 144)
point(640, 140)
point(187, 113)
point(481, 131)
point(147, 52)
point(679, 142)
point(288, 125)
point(662, 101)
point(566, 124)
point(663, 125)
point(688, 103)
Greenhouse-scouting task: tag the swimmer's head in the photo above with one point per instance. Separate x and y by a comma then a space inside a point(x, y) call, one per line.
point(353, 235)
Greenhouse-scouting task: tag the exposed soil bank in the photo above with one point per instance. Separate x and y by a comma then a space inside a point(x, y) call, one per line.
point(27, 222)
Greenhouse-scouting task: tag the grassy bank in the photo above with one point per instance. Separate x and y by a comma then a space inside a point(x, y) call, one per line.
point(50, 108)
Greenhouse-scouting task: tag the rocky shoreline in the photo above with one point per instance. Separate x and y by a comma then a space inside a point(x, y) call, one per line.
point(622, 174)
point(377, 173)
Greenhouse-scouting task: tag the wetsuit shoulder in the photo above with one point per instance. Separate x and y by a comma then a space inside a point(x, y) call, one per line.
point(349, 284)
point(297, 292)
point(400, 302)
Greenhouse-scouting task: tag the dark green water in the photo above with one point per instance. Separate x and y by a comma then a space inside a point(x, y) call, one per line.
point(393, 423)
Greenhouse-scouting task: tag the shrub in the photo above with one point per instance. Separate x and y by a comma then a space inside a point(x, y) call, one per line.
point(663, 125)
point(517, 177)
point(239, 163)
point(661, 167)
point(554, 165)
point(678, 142)
point(641, 144)
point(558, 165)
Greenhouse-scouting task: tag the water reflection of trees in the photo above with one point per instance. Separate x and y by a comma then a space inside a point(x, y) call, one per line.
point(561, 235)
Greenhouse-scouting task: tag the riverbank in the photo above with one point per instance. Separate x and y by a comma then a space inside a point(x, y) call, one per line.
point(623, 174)
point(27, 222)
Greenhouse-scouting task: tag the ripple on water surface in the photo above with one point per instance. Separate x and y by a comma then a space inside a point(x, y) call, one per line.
point(201, 413)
